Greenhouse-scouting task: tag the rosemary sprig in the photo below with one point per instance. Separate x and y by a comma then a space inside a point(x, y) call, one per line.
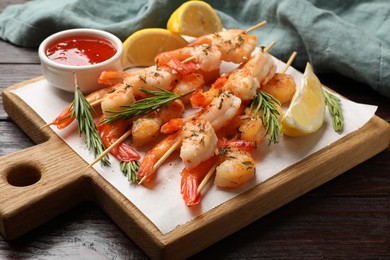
point(130, 170)
point(334, 106)
point(82, 111)
point(144, 106)
point(264, 103)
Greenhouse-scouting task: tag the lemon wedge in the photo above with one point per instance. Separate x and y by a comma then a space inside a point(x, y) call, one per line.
point(194, 18)
point(306, 112)
point(140, 48)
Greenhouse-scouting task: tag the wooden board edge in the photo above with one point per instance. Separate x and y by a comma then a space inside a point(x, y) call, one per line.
point(51, 191)
point(216, 224)
point(211, 227)
point(24, 116)
point(284, 187)
point(128, 217)
point(39, 186)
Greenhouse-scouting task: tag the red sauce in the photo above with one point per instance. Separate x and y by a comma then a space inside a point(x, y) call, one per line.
point(80, 50)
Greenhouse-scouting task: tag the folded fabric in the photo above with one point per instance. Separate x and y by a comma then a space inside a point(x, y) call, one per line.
point(350, 37)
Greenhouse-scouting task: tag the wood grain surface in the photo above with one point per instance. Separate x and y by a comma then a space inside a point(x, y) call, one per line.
point(348, 217)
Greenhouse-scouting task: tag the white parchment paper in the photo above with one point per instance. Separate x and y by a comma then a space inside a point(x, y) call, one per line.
point(162, 199)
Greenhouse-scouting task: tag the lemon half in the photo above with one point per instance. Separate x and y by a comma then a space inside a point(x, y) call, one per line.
point(306, 112)
point(194, 18)
point(140, 48)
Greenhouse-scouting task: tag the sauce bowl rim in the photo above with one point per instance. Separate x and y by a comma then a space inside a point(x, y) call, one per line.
point(79, 32)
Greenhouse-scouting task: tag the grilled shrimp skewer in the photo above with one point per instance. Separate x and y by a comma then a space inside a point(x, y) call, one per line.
point(218, 113)
point(235, 45)
point(205, 54)
point(204, 59)
point(243, 81)
point(233, 164)
point(249, 126)
point(214, 112)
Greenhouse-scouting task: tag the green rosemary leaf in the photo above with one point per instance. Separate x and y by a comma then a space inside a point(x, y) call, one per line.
point(144, 106)
point(333, 104)
point(81, 109)
point(130, 170)
point(264, 103)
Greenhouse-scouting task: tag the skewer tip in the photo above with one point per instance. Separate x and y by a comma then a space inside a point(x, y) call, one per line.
point(256, 26)
point(46, 125)
point(143, 179)
point(290, 60)
point(266, 49)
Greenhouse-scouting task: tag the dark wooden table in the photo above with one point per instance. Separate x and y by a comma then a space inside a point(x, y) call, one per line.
point(347, 218)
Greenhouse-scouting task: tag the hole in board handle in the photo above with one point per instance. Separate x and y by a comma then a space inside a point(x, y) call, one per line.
point(23, 175)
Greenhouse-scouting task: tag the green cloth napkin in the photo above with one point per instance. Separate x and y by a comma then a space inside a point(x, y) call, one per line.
point(350, 37)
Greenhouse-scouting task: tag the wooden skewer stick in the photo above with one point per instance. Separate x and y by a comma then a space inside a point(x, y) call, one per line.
point(266, 49)
point(191, 58)
point(206, 179)
point(112, 146)
point(162, 159)
point(96, 102)
point(290, 60)
point(167, 154)
point(46, 125)
point(254, 27)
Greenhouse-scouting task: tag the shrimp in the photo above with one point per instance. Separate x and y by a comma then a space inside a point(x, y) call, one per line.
point(246, 146)
point(113, 77)
point(188, 83)
point(235, 45)
point(281, 86)
point(242, 82)
point(147, 165)
point(245, 80)
point(115, 100)
point(202, 99)
point(148, 78)
point(203, 59)
point(146, 129)
point(109, 133)
point(251, 127)
point(172, 110)
point(190, 180)
point(237, 165)
point(247, 127)
point(199, 143)
point(65, 118)
point(219, 112)
point(151, 78)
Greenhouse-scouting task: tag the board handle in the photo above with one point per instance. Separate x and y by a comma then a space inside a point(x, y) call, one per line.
point(39, 183)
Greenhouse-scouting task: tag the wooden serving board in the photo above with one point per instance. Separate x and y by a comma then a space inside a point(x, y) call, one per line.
point(41, 182)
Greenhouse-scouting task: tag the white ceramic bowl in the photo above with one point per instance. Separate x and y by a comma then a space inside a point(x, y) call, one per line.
point(61, 76)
